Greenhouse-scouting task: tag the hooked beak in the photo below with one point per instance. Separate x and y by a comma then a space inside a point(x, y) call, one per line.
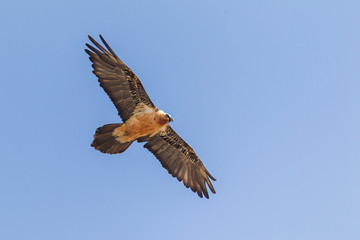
point(171, 119)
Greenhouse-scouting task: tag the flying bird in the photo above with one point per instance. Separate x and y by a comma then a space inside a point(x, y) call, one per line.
point(142, 122)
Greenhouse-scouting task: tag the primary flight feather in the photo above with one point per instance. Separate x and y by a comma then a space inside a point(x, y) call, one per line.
point(142, 122)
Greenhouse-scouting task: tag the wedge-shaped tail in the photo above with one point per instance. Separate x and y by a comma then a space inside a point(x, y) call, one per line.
point(105, 142)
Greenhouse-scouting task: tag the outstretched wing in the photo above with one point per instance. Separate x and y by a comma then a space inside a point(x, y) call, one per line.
point(180, 160)
point(120, 83)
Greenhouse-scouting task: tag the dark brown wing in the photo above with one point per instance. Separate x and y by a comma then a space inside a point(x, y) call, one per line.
point(120, 83)
point(180, 160)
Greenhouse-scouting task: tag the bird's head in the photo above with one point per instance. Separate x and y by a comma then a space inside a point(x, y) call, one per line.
point(166, 116)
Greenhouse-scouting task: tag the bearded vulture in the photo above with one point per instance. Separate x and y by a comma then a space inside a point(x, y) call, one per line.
point(142, 122)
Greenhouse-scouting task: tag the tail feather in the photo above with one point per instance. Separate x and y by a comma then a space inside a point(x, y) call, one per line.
point(105, 142)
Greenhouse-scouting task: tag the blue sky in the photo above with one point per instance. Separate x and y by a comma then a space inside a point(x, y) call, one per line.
point(266, 92)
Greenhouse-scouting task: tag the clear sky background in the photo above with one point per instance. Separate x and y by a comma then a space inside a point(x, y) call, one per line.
point(266, 92)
